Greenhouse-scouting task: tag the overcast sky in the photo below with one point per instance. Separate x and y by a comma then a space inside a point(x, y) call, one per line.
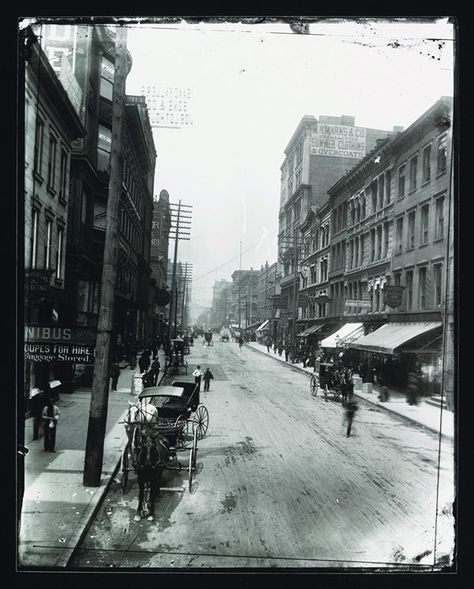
point(250, 86)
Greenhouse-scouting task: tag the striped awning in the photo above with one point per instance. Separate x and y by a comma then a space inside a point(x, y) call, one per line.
point(391, 336)
point(310, 330)
point(349, 332)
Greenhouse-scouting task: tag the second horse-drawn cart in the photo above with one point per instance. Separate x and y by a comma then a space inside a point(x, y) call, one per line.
point(327, 379)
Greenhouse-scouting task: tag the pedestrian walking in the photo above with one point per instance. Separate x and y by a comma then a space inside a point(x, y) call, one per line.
point(198, 376)
point(413, 388)
point(155, 370)
point(50, 416)
point(351, 408)
point(114, 374)
point(241, 342)
point(287, 352)
point(280, 349)
point(347, 385)
point(207, 379)
point(144, 361)
point(269, 344)
point(275, 347)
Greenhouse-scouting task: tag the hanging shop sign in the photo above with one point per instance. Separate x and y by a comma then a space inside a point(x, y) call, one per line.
point(393, 295)
point(37, 285)
point(162, 297)
point(303, 300)
point(280, 301)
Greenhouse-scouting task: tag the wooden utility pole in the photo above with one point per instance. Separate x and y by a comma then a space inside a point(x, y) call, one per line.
point(182, 222)
point(100, 385)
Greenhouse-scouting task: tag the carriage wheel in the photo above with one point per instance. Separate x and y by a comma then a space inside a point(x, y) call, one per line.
point(201, 421)
point(314, 385)
point(125, 463)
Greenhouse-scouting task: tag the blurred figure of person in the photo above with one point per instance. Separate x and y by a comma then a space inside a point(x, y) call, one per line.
point(413, 388)
point(268, 344)
point(155, 370)
point(154, 349)
point(383, 389)
point(287, 352)
point(132, 355)
point(241, 342)
point(351, 408)
point(275, 347)
point(198, 376)
point(148, 379)
point(50, 416)
point(207, 379)
point(347, 385)
point(280, 349)
point(114, 374)
point(144, 361)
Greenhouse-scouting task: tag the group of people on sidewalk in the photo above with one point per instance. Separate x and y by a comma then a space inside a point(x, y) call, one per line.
point(206, 376)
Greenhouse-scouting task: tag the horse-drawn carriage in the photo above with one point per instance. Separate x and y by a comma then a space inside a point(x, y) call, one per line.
point(328, 378)
point(176, 355)
point(165, 421)
point(208, 338)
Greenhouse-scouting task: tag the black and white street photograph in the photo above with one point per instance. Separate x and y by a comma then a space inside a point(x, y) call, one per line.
point(238, 333)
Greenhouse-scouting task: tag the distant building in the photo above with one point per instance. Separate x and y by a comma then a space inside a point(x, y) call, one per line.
point(221, 303)
point(245, 297)
point(267, 289)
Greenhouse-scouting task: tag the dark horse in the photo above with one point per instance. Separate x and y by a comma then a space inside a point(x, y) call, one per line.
point(150, 454)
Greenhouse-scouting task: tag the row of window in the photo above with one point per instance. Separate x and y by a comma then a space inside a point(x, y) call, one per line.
point(429, 287)
point(408, 241)
point(54, 183)
point(426, 165)
point(426, 293)
point(51, 237)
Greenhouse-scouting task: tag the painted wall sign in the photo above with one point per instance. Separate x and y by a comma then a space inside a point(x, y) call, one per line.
point(169, 106)
point(338, 141)
point(56, 335)
point(59, 352)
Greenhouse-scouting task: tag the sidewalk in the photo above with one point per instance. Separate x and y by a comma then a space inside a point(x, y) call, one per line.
point(422, 414)
point(57, 507)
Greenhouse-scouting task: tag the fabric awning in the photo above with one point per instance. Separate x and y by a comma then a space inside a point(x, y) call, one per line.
point(264, 324)
point(252, 326)
point(389, 337)
point(345, 334)
point(310, 330)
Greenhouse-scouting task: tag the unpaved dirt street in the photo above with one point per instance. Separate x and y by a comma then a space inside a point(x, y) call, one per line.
point(278, 484)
